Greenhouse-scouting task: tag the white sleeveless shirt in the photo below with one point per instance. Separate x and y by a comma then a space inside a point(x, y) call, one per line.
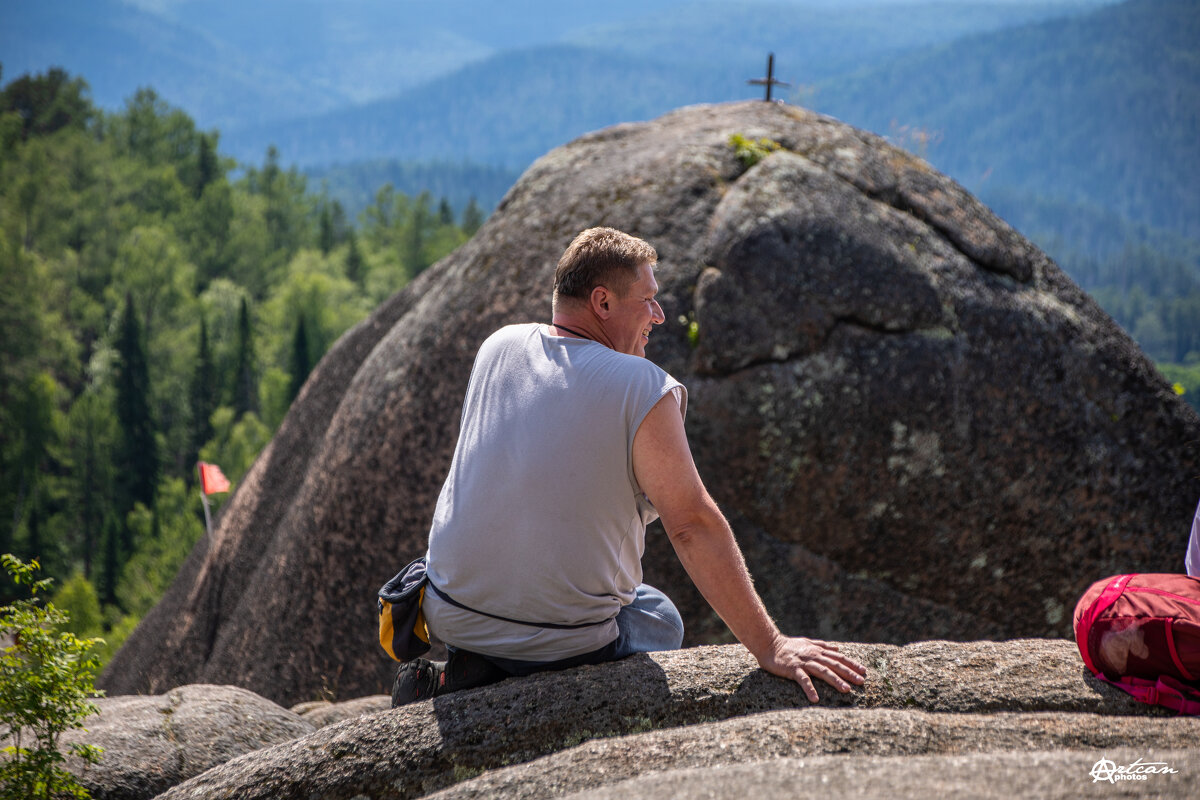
point(540, 518)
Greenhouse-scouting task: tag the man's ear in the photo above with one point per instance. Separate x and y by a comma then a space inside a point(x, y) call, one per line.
point(601, 302)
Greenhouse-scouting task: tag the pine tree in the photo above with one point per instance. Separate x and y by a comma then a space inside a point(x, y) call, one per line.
point(417, 231)
point(33, 527)
point(137, 453)
point(208, 168)
point(325, 236)
point(203, 397)
point(110, 571)
point(245, 387)
point(301, 359)
point(340, 226)
point(90, 504)
point(445, 213)
point(354, 262)
point(472, 218)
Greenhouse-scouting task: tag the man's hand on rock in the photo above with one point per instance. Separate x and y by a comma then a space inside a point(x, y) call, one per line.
point(802, 660)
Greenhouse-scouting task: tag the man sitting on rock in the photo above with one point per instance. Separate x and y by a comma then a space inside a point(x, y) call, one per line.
point(571, 443)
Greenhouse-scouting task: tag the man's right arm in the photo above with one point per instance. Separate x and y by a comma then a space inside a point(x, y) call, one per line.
point(701, 536)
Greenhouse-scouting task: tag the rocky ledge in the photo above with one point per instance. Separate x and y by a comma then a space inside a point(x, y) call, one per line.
point(981, 718)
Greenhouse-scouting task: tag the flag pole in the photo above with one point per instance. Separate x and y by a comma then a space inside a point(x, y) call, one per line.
point(204, 500)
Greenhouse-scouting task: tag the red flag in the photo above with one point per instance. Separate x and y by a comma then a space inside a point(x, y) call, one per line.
point(212, 480)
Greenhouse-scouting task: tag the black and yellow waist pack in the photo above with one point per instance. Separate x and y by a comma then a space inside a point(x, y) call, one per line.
point(402, 629)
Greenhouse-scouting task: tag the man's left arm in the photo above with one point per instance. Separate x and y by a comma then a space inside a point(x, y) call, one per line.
point(704, 542)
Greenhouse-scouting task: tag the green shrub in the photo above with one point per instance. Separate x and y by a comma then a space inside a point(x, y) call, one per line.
point(77, 599)
point(46, 682)
point(751, 151)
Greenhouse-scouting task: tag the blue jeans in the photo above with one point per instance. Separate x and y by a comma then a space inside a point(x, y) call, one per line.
point(651, 622)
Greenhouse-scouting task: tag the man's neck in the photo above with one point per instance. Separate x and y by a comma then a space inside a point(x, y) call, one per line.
point(579, 326)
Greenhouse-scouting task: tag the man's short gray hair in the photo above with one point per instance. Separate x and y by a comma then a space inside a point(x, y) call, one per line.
point(600, 257)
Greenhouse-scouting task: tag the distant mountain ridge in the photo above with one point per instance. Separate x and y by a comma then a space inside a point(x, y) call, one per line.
point(1052, 110)
point(118, 48)
point(505, 111)
point(250, 65)
point(514, 105)
point(1100, 109)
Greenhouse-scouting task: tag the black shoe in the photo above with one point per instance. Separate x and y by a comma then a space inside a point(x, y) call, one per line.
point(419, 679)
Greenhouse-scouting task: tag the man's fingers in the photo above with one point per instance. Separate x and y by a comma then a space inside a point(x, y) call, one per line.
point(801, 677)
point(844, 665)
point(848, 668)
point(828, 673)
point(838, 675)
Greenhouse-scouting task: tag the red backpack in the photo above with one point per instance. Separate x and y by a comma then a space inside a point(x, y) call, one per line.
point(1141, 633)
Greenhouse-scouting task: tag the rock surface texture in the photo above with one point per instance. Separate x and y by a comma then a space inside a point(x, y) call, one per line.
point(152, 743)
point(919, 426)
point(1023, 713)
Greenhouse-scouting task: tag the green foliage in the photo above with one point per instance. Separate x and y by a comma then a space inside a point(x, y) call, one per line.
point(79, 602)
point(1185, 378)
point(315, 288)
point(203, 394)
point(472, 217)
point(143, 289)
point(87, 457)
point(137, 448)
point(752, 151)
point(162, 548)
point(354, 185)
point(46, 680)
point(236, 442)
point(47, 103)
point(301, 363)
point(245, 379)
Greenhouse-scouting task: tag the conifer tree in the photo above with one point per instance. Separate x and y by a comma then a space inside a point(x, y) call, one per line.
point(33, 526)
point(301, 359)
point(325, 234)
point(445, 213)
point(354, 262)
point(341, 227)
point(110, 570)
point(89, 470)
point(245, 386)
point(208, 168)
point(137, 453)
point(472, 217)
point(417, 231)
point(203, 397)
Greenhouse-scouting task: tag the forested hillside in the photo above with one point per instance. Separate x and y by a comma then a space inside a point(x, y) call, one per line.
point(1084, 132)
point(462, 184)
point(1081, 130)
point(1103, 109)
point(156, 311)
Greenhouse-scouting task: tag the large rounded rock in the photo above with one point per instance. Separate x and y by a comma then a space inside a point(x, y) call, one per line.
point(698, 708)
point(152, 743)
point(1059, 775)
point(919, 425)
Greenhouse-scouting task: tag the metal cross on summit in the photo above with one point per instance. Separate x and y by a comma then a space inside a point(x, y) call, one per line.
point(769, 81)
